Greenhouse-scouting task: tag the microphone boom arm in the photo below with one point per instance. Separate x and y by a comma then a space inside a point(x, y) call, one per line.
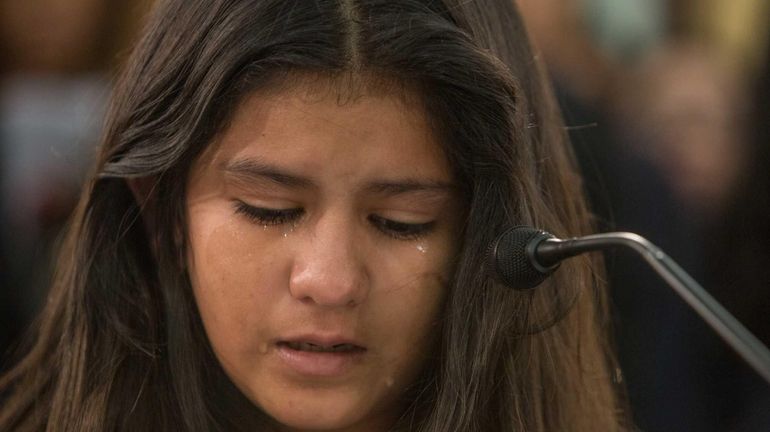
point(551, 251)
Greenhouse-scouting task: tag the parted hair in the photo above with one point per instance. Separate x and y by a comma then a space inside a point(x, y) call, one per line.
point(120, 344)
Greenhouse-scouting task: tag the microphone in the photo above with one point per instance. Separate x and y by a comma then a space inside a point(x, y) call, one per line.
point(523, 257)
point(514, 260)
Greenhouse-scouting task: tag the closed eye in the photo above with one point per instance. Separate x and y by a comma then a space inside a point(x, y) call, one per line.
point(401, 230)
point(391, 228)
point(268, 216)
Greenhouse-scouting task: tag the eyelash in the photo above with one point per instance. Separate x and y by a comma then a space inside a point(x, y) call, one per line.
point(393, 229)
point(265, 216)
point(401, 230)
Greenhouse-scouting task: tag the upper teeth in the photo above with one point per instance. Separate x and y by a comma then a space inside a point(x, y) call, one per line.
point(307, 346)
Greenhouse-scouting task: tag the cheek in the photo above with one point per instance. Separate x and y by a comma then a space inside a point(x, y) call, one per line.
point(409, 302)
point(410, 328)
point(410, 315)
point(230, 275)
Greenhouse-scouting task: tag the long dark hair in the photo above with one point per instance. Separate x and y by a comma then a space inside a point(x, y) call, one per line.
point(120, 344)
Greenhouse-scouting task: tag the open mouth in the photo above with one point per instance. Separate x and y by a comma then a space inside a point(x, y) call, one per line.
point(320, 359)
point(311, 347)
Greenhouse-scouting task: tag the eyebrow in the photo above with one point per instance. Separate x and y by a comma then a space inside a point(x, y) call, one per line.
point(409, 186)
point(254, 170)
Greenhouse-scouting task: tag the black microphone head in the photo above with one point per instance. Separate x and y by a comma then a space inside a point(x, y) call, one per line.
point(512, 261)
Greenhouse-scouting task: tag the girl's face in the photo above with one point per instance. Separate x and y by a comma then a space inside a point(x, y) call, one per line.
point(321, 238)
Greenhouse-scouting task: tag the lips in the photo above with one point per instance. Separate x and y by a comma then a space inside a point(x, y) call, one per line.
point(312, 347)
point(319, 357)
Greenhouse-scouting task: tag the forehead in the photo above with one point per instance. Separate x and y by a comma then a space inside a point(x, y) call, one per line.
point(344, 125)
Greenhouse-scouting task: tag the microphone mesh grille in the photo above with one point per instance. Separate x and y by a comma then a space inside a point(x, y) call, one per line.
point(512, 265)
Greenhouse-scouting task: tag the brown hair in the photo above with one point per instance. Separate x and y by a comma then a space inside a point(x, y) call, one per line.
point(120, 344)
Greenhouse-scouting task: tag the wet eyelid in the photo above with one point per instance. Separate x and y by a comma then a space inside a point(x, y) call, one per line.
point(271, 199)
point(413, 217)
point(413, 207)
point(260, 191)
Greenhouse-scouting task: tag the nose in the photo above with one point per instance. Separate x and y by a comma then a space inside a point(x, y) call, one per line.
point(329, 269)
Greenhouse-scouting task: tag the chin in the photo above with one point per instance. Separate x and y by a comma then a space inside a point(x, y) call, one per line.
point(310, 423)
point(307, 418)
point(322, 411)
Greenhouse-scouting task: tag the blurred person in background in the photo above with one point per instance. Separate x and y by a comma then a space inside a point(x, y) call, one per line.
point(700, 102)
point(656, 100)
point(687, 118)
point(55, 58)
point(693, 114)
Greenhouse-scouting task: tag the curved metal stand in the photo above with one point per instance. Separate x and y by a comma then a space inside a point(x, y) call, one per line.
point(552, 251)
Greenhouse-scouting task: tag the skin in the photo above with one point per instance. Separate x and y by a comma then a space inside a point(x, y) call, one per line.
point(345, 170)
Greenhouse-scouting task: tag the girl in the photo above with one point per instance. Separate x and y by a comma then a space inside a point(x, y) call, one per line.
point(287, 227)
